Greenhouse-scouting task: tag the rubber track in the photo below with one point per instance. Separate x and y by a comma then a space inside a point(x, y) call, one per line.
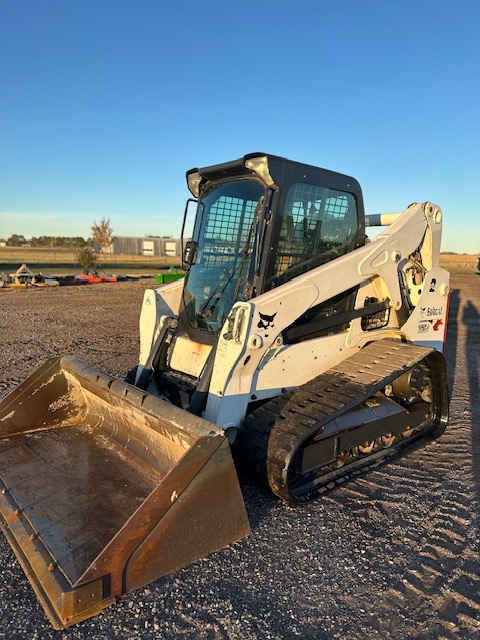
point(271, 434)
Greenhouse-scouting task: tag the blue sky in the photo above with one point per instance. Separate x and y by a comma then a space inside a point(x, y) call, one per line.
point(104, 104)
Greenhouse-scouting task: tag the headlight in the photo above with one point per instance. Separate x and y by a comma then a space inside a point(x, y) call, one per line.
point(260, 167)
point(193, 181)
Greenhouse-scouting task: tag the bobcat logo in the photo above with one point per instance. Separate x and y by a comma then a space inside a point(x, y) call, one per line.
point(266, 321)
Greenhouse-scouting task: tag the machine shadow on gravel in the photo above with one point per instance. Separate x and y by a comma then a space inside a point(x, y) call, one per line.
point(451, 346)
point(471, 319)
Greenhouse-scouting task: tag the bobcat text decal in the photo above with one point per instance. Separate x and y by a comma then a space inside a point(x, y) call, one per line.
point(431, 311)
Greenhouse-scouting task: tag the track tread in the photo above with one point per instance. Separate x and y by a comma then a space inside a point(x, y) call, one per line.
point(270, 435)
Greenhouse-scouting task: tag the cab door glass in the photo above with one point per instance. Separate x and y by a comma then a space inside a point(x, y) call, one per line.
point(224, 240)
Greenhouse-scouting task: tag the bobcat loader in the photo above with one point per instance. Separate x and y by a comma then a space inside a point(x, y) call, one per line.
point(310, 352)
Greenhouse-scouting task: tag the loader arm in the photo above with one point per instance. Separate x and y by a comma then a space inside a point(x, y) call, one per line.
point(247, 360)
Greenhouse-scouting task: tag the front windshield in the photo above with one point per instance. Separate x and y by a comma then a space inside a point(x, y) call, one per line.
point(225, 234)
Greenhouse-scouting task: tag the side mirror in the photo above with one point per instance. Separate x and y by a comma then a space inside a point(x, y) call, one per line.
point(193, 210)
point(189, 253)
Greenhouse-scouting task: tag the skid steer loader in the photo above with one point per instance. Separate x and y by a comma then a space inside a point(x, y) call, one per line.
point(310, 352)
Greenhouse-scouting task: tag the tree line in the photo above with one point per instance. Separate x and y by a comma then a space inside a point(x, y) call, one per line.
point(86, 250)
point(64, 242)
point(102, 237)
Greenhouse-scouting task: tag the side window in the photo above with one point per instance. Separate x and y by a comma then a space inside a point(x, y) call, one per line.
point(318, 224)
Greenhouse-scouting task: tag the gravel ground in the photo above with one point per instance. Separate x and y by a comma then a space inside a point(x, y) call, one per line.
point(393, 555)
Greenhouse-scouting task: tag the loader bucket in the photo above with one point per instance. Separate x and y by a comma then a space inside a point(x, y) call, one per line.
point(104, 488)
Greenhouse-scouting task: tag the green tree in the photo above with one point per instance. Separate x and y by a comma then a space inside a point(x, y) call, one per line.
point(16, 240)
point(87, 258)
point(102, 233)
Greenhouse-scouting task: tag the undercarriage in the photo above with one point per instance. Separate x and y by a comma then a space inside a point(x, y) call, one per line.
point(363, 412)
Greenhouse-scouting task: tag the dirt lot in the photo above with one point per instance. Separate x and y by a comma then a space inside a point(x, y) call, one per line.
point(393, 555)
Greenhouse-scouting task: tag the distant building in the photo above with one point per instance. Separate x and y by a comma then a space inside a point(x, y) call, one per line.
point(148, 246)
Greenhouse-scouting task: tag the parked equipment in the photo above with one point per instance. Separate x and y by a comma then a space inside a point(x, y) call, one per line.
point(24, 277)
point(171, 275)
point(92, 277)
point(312, 353)
point(86, 278)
